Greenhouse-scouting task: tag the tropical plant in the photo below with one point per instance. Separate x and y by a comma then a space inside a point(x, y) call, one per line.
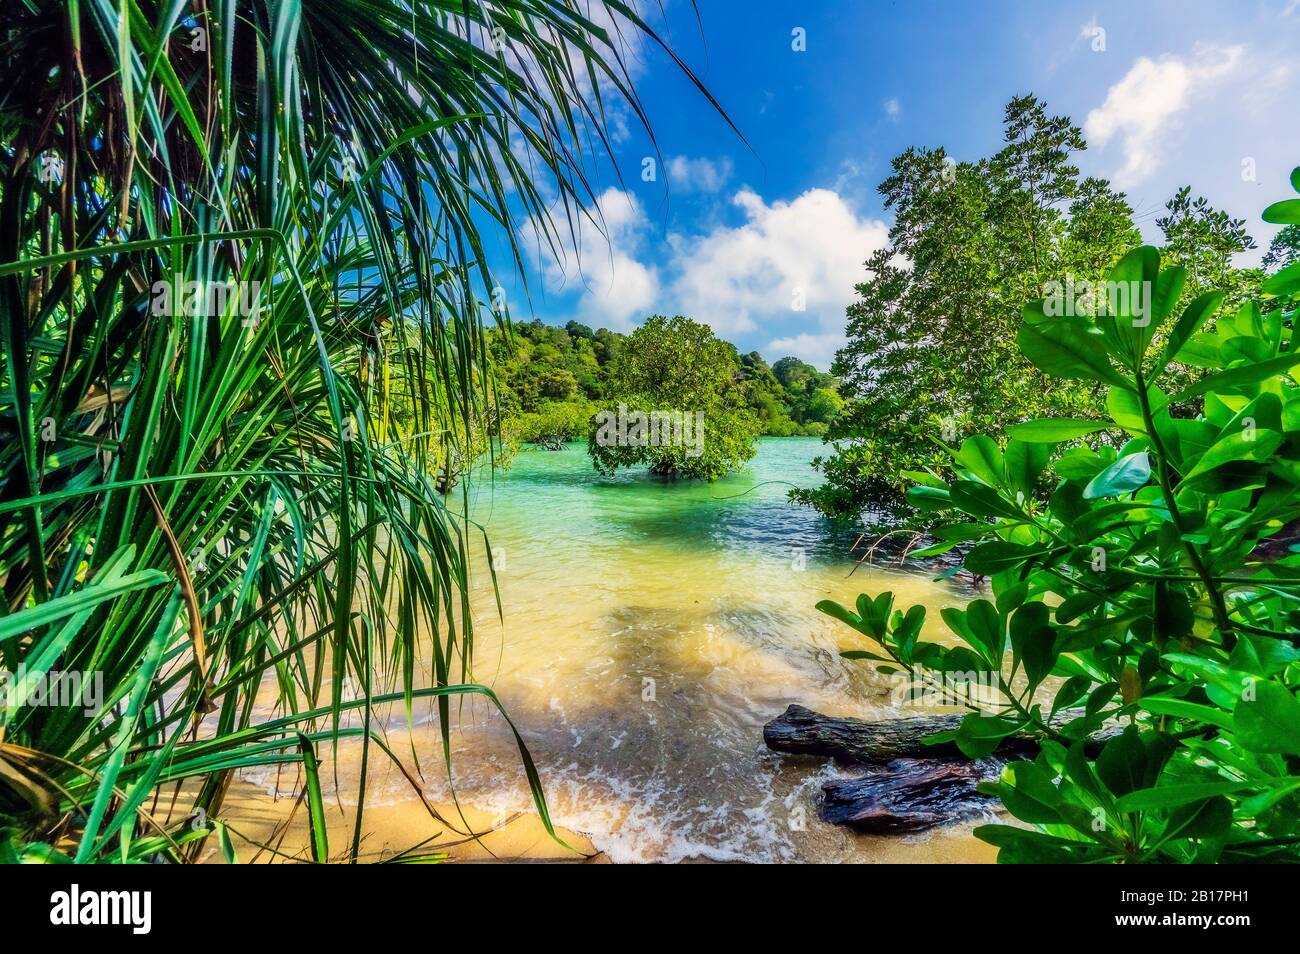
point(1205, 240)
point(674, 367)
point(220, 228)
point(930, 352)
point(547, 378)
point(1154, 587)
point(811, 396)
point(553, 426)
point(1284, 248)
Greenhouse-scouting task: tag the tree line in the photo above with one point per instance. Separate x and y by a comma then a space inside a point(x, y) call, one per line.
point(551, 380)
point(931, 351)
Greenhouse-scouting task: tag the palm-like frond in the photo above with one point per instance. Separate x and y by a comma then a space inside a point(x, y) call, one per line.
point(195, 504)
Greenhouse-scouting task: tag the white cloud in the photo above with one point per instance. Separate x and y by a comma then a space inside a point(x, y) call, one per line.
point(1094, 33)
point(893, 108)
point(698, 175)
point(851, 170)
point(787, 272)
point(1143, 108)
point(616, 289)
point(818, 350)
point(808, 251)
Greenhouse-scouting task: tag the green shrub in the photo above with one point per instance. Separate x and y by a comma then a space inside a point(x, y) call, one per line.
point(1151, 586)
point(930, 339)
point(675, 367)
point(555, 423)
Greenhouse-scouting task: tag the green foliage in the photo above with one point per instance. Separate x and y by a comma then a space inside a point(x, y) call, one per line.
point(535, 364)
point(823, 406)
point(1204, 240)
point(676, 365)
point(547, 378)
point(238, 523)
point(769, 400)
point(1151, 587)
point(812, 396)
point(932, 352)
point(554, 424)
point(1284, 249)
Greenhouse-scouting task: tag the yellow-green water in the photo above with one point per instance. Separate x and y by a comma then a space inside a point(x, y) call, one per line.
point(650, 630)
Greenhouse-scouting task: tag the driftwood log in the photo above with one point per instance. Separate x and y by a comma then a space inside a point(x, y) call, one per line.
point(801, 731)
point(909, 794)
point(905, 785)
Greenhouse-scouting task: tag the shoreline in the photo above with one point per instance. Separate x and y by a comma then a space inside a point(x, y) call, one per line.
point(393, 829)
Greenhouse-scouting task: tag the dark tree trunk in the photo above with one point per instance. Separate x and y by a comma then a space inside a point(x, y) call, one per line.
point(910, 795)
point(801, 731)
point(906, 785)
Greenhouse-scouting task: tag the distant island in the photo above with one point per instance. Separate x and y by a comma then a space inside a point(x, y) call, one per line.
point(551, 380)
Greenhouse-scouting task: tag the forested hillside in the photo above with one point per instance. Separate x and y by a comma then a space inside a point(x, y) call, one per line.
point(550, 380)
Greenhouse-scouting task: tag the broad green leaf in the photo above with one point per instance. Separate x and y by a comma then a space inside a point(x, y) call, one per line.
point(981, 500)
point(1079, 463)
point(1136, 303)
point(986, 624)
point(1208, 819)
point(1122, 477)
point(1126, 410)
point(980, 735)
point(1187, 325)
point(1122, 763)
point(1069, 348)
point(1071, 691)
point(1054, 430)
point(998, 555)
point(1182, 709)
point(1202, 351)
point(836, 611)
point(1269, 722)
point(1034, 641)
point(1172, 796)
point(1286, 283)
point(1253, 445)
point(1072, 607)
point(1025, 463)
point(1286, 212)
point(1238, 376)
point(908, 631)
point(980, 456)
point(928, 499)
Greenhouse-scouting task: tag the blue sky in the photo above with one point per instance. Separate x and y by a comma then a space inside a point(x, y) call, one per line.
point(739, 237)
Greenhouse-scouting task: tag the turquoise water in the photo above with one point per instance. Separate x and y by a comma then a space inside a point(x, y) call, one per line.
point(650, 630)
point(744, 515)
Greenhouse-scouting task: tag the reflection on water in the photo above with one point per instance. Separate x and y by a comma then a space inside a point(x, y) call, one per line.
point(650, 629)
